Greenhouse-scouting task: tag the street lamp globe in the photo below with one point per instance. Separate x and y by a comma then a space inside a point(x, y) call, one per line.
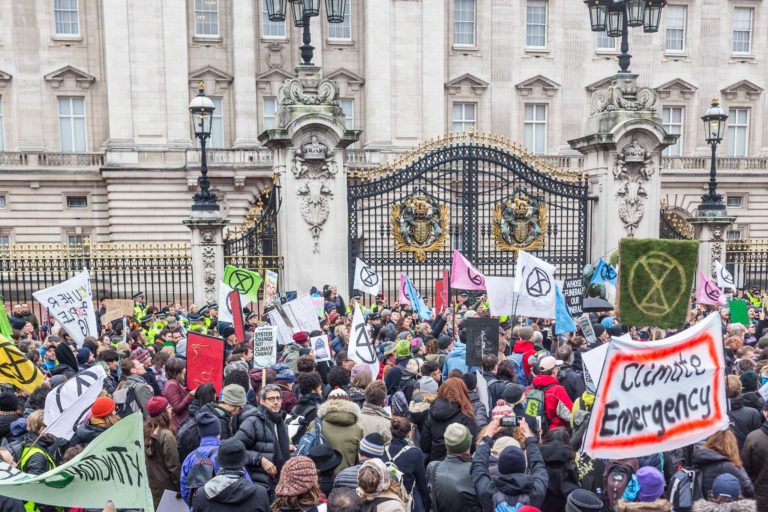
point(334, 10)
point(652, 16)
point(615, 20)
point(311, 8)
point(598, 12)
point(714, 122)
point(297, 9)
point(201, 107)
point(276, 10)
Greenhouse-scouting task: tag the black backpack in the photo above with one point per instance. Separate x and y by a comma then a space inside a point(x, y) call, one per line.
point(618, 473)
point(685, 487)
point(126, 404)
point(201, 471)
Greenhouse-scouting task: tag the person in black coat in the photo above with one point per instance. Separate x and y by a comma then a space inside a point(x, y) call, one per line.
point(229, 490)
point(9, 405)
point(326, 459)
point(451, 406)
point(743, 419)
point(571, 379)
point(563, 475)
point(718, 455)
point(410, 461)
point(67, 361)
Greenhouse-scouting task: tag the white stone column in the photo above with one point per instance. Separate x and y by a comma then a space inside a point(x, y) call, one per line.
point(245, 99)
point(27, 83)
point(176, 73)
point(117, 65)
point(378, 76)
point(433, 69)
point(207, 247)
point(710, 232)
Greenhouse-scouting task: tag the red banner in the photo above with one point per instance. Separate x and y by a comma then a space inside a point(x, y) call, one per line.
point(237, 315)
point(205, 361)
point(441, 292)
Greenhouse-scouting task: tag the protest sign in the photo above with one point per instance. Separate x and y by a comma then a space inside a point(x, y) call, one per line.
point(724, 277)
point(67, 404)
point(573, 291)
point(111, 467)
point(117, 308)
point(482, 339)
point(322, 348)
point(225, 308)
point(656, 280)
point(318, 303)
point(501, 295)
point(586, 329)
point(361, 348)
point(482, 390)
point(170, 503)
point(245, 281)
point(205, 361)
point(264, 346)
point(16, 369)
point(366, 279)
point(739, 311)
point(593, 361)
point(764, 391)
point(291, 317)
point(464, 276)
point(534, 286)
point(71, 303)
point(270, 287)
point(661, 395)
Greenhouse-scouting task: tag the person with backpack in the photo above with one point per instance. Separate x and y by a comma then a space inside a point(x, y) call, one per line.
point(373, 416)
point(718, 455)
point(547, 398)
point(293, 351)
point(571, 379)
point(310, 386)
point(371, 447)
point(230, 490)
point(451, 406)
point(523, 475)
point(265, 438)
point(521, 352)
point(755, 458)
point(163, 468)
point(132, 392)
point(725, 496)
point(200, 465)
point(379, 491)
point(403, 354)
point(409, 460)
point(102, 417)
point(297, 490)
point(449, 480)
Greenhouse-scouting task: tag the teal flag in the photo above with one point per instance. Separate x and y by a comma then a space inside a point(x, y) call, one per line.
point(563, 319)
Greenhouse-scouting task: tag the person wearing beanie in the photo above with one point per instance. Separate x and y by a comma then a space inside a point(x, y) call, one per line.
point(373, 416)
point(450, 482)
point(749, 395)
point(403, 355)
point(644, 492)
point(298, 489)
point(519, 481)
point(582, 500)
point(754, 456)
point(725, 497)
point(293, 351)
point(265, 437)
point(9, 405)
point(371, 447)
point(285, 379)
point(409, 379)
point(84, 358)
point(340, 417)
point(481, 412)
point(163, 466)
point(743, 419)
point(378, 489)
point(230, 490)
point(209, 430)
point(102, 417)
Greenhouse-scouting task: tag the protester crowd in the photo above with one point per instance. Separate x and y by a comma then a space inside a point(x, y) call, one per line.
point(428, 433)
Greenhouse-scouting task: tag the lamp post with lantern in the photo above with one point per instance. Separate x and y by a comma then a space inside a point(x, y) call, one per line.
point(201, 108)
point(714, 125)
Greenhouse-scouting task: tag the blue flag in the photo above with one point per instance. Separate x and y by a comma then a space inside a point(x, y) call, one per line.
point(563, 319)
point(604, 273)
point(417, 303)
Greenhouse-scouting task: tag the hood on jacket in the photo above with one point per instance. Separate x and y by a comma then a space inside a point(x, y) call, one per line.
point(734, 506)
point(339, 412)
point(442, 410)
point(704, 457)
point(541, 381)
point(737, 402)
point(229, 489)
point(65, 356)
point(515, 484)
point(522, 346)
point(459, 351)
point(374, 410)
point(660, 505)
point(556, 453)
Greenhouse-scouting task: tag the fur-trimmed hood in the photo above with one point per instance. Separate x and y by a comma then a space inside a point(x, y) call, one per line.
point(734, 506)
point(660, 505)
point(339, 412)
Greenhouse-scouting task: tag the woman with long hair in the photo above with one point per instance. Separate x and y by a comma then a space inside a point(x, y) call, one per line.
point(163, 467)
point(718, 455)
point(452, 405)
point(205, 394)
point(297, 490)
point(175, 391)
point(379, 491)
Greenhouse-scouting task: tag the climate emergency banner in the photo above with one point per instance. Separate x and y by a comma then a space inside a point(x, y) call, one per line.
point(112, 467)
point(659, 396)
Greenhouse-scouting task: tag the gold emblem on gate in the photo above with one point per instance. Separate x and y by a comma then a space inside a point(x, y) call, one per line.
point(520, 222)
point(419, 225)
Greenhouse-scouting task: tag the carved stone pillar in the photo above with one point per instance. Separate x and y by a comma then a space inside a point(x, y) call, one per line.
point(710, 232)
point(207, 255)
point(622, 148)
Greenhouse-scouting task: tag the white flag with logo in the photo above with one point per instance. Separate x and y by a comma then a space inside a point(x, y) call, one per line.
point(366, 279)
point(361, 349)
point(67, 404)
point(71, 303)
point(724, 278)
point(535, 287)
point(225, 308)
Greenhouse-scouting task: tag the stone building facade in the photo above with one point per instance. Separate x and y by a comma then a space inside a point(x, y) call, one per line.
point(96, 139)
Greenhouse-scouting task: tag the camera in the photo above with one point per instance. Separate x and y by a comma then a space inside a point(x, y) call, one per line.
point(511, 421)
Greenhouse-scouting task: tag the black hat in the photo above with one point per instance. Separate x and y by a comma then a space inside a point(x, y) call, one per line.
point(443, 341)
point(581, 500)
point(203, 310)
point(232, 454)
point(207, 424)
point(138, 294)
point(193, 317)
point(513, 393)
point(8, 401)
point(252, 315)
point(325, 457)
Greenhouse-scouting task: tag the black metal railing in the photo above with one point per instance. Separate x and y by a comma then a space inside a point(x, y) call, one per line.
point(747, 260)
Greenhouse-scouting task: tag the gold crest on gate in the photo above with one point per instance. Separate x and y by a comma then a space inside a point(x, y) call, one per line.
point(419, 224)
point(520, 222)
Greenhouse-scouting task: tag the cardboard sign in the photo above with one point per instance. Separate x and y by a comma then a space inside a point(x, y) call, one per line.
point(264, 346)
point(660, 395)
point(573, 290)
point(117, 308)
point(205, 361)
point(291, 317)
point(322, 348)
point(71, 303)
point(586, 328)
point(270, 287)
point(482, 339)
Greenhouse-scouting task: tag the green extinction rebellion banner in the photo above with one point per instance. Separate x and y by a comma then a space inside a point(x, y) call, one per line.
point(655, 281)
point(112, 467)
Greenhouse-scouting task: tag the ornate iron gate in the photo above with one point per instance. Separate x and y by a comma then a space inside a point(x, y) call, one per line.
point(253, 245)
point(480, 195)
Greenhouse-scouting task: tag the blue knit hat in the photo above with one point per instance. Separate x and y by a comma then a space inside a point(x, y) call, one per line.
point(283, 373)
point(372, 446)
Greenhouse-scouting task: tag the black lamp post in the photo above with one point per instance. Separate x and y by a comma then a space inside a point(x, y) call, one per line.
point(302, 11)
point(714, 125)
point(201, 107)
point(614, 17)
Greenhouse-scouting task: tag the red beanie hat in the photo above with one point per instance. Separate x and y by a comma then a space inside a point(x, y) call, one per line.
point(156, 405)
point(301, 337)
point(102, 407)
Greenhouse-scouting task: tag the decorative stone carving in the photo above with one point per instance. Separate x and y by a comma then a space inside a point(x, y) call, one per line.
point(624, 94)
point(209, 268)
point(634, 165)
point(314, 162)
point(309, 91)
point(716, 252)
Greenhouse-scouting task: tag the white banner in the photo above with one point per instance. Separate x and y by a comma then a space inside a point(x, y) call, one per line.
point(661, 395)
point(67, 404)
point(264, 346)
point(322, 348)
point(292, 317)
point(361, 349)
point(501, 295)
point(366, 279)
point(593, 361)
point(112, 467)
point(535, 286)
point(225, 309)
point(724, 278)
point(71, 303)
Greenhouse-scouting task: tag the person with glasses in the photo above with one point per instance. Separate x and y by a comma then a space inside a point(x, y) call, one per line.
point(266, 439)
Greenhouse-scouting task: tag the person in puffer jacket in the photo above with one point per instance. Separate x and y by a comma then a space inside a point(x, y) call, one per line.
point(519, 482)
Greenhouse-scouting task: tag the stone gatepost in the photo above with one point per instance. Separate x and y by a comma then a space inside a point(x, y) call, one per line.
point(309, 153)
point(710, 231)
point(207, 254)
point(622, 148)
